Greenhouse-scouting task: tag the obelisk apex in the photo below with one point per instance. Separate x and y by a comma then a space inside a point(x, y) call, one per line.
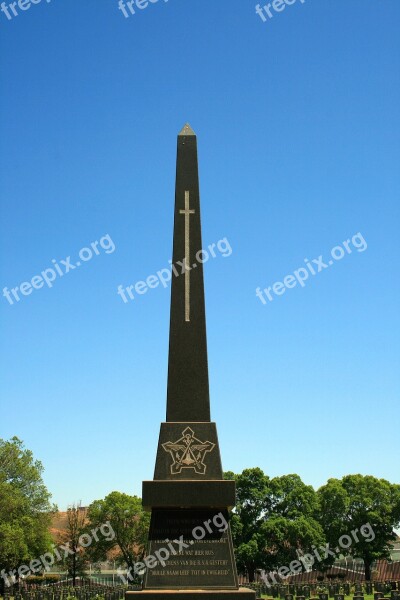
point(188, 394)
point(187, 130)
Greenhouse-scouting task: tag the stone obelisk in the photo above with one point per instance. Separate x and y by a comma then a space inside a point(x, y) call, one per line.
point(190, 552)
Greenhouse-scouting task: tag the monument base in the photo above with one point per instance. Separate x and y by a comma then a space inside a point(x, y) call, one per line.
point(240, 594)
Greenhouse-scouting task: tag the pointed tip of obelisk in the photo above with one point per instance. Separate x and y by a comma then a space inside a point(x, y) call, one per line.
point(187, 130)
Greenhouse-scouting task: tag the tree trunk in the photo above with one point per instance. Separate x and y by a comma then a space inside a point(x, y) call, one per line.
point(367, 569)
point(251, 573)
point(74, 570)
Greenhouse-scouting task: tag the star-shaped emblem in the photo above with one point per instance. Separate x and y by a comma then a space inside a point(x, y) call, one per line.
point(188, 453)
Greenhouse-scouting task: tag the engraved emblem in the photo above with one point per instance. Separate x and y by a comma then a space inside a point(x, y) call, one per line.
point(188, 453)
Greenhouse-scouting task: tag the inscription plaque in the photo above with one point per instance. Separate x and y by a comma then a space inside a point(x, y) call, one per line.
point(206, 563)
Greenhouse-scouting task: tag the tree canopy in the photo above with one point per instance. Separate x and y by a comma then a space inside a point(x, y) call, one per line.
point(273, 521)
point(25, 508)
point(130, 524)
point(77, 560)
point(364, 509)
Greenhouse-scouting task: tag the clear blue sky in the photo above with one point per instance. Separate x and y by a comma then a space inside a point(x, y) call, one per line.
point(298, 131)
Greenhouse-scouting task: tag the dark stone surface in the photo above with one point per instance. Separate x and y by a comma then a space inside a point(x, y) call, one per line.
point(188, 451)
point(188, 472)
point(186, 494)
point(358, 590)
point(188, 391)
point(205, 563)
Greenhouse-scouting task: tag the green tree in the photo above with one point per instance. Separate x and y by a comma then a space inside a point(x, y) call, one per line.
point(76, 562)
point(273, 520)
point(130, 525)
point(365, 509)
point(25, 509)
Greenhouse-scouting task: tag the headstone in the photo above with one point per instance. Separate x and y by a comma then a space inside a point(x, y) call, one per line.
point(378, 595)
point(188, 498)
point(339, 597)
point(323, 596)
